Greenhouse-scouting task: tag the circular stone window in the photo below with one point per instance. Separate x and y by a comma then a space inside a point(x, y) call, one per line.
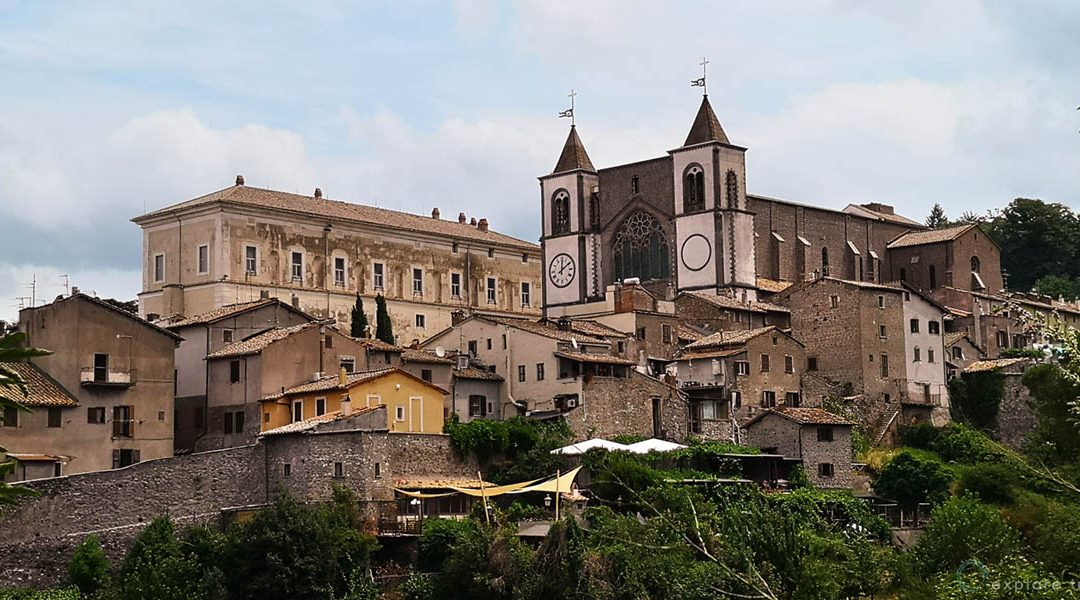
point(696, 252)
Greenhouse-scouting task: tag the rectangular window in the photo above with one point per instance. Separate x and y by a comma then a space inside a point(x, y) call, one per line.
point(477, 406)
point(124, 457)
point(491, 290)
point(881, 332)
point(811, 363)
point(526, 294)
point(792, 399)
point(348, 363)
point(159, 267)
point(539, 371)
point(286, 470)
point(768, 399)
point(736, 399)
point(641, 333)
point(764, 363)
point(958, 353)
point(328, 341)
point(525, 258)
point(339, 469)
point(472, 348)
point(881, 301)
point(917, 355)
point(251, 260)
point(228, 426)
point(1002, 339)
point(930, 355)
point(101, 367)
point(320, 406)
point(399, 414)
point(339, 271)
point(240, 421)
point(297, 411)
point(377, 276)
point(95, 415)
point(789, 364)
point(226, 336)
point(11, 417)
point(665, 333)
point(491, 253)
point(824, 434)
point(455, 286)
point(297, 263)
point(933, 327)
point(834, 301)
point(914, 326)
point(825, 469)
point(521, 372)
point(421, 321)
point(378, 470)
point(712, 410)
point(418, 282)
point(884, 366)
point(54, 417)
point(122, 421)
point(425, 374)
point(742, 367)
point(234, 371)
point(203, 259)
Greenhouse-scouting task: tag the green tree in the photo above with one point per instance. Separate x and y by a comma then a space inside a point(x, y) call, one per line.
point(359, 323)
point(13, 391)
point(975, 398)
point(1056, 439)
point(961, 529)
point(384, 327)
point(155, 567)
point(937, 219)
point(1058, 286)
point(911, 480)
point(89, 568)
point(1037, 239)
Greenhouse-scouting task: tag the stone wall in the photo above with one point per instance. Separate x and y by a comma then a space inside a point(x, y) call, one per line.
point(781, 435)
point(614, 406)
point(1016, 417)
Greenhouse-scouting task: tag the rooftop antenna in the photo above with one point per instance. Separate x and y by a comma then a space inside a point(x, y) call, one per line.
point(700, 82)
point(67, 284)
point(569, 113)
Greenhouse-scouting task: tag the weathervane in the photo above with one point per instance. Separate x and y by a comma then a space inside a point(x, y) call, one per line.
point(569, 113)
point(700, 82)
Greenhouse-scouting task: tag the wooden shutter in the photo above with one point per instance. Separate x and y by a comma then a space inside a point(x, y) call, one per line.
point(116, 459)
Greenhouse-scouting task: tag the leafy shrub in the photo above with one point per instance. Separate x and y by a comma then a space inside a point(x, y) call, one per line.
point(991, 482)
point(798, 479)
point(963, 444)
point(975, 398)
point(31, 594)
point(910, 480)
point(964, 528)
point(89, 568)
point(922, 436)
point(519, 511)
point(437, 540)
point(418, 587)
point(1057, 540)
point(617, 475)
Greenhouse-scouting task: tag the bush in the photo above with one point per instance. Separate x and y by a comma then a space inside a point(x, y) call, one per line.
point(961, 529)
point(437, 541)
point(923, 436)
point(911, 480)
point(89, 569)
point(991, 482)
point(519, 511)
point(975, 398)
point(963, 444)
point(1057, 540)
point(418, 587)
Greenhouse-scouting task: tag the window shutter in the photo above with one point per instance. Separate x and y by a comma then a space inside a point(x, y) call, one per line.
point(115, 458)
point(117, 424)
point(240, 422)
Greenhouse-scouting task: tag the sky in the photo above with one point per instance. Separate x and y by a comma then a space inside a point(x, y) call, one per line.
point(112, 109)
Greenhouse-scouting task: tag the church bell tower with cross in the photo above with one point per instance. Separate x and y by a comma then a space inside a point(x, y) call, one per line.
point(714, 231)
point(570, 240)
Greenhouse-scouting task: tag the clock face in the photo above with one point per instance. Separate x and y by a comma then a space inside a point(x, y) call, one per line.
point(561, 270)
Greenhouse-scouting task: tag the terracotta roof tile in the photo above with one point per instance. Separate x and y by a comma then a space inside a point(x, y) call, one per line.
point(866, 211)
point(331, 382)
point(42, 389)
point(802, 416)
point(423, 356)
point(224, 312)
point(265, 199)
point(688, 333)
point(980, 366)
point(477, 373)
point(258, 343)
point(313, 422)
point(730, 338)
point(736, 304)
point(544, 330)
point(932, 236)
point(439, 482)
point(711, 354)
point(771, 285)
point(378, 345)
point(595, 358)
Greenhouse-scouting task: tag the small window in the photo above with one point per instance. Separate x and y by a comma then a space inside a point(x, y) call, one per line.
point(665, 333)
point(297, 266)
point(881, 301)
point(491, 253)
point(58, 469)
point(159, 268)
point(477, 405)
point(884, 366)
point(811, 363)
point(834, 301)
point(11, 417)
point(320, 406)
point(958, 353)
point(621, 347)
point(421, 321)
point(328, 341)
point(789, 364)
point(975, 264)
point(882, 332)
point(378, 470)
point(339, 271)
point(95, 415)
point(348, 363)
point(521, 372)
point(377, 271)
point(933, 327)
point(824, 434)
point(640, 333)
point(455, 286)
point(491, 290)
point(742, 367)
point(234, 371)
point(539, 371)
point(764, 363)
point(635, 188)
point(399, 414)
point(489, 343)
point(297, 411)
point(930, 355)
point(454, 247)
point(101, 366)
point(226, 336)
point(472, 348)
point(54, 417)
point(524, 258)
point(526, 294)
point(918, 355)
point(228, 426)
point(286, 470)
point(792, 399)
point(768, 399)
point(418, 282)
point(736, 399)
point(825, 469)
point(251, 260)
point(266, 417)
point(425, 374)
point(915, 326)
point(203, 259)
point(339, 469)
point(504, 341)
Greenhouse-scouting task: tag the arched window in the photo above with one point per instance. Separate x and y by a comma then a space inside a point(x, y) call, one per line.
point(918, 356)
point(933, 277)
point(732, 185)
point(903, 275)
point(641, 248)
point(560, 213)
point(824, 262)
point(694, 190)
point(975, 264)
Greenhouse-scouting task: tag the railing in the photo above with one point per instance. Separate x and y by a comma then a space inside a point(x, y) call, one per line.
point(107, 377)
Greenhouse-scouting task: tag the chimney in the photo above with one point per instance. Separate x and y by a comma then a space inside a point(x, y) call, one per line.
point(461, 218)
point(482, 225)
point(342, 377)
point(74, 290)
point(239, 180)
point(435, 213)
point(564, 324)
point(318, 192)
point(884, 209)
point(472, 221)
point(295, 301)
point(457, 316)
point(346, 403)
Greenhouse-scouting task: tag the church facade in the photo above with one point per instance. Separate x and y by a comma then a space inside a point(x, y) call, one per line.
point(685, 222)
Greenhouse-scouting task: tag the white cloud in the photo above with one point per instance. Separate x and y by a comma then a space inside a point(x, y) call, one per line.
point(16, 291)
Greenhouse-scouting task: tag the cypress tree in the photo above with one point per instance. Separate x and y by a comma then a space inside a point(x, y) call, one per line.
point(359, 323)
point(384, 328)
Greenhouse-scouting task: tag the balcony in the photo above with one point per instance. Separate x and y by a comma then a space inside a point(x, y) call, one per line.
point(97, 377)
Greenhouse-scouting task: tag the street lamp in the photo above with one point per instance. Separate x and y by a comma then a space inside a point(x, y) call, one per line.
point(547, 501)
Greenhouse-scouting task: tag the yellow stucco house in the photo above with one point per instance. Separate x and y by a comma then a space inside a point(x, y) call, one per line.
point(412, 404)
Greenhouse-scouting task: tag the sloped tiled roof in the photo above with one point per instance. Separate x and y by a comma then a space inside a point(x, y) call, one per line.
point(313, 422)
point(378, 345)
point(573, 155)
point(595, 358)
point(477, 373)
point(438, 482)
point(257, 343)
point(736, 304)
point(595, 328)
point(730, 338)
point(802, 416)
point(931, 236)
point(980, 366)
point(711, 354)
point(866, 211)
point(422, 356)
point(265, 199)
point(544, 330)
point(952, 338)
point(688, 333)
point(229, 310)
point(866, 285)
point(103, 304)
point(331, 382)
point(42, 390)
point(706, 127)
point(772, 285)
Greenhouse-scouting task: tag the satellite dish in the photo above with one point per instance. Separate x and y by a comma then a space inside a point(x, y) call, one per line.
point(440, 351)
point(573, 342)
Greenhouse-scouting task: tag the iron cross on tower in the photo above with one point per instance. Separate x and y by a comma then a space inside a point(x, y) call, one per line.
point(570, 113)
point(701, 82)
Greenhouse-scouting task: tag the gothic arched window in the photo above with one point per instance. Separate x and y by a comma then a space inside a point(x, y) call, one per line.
point(560, 213)
point(732, 185)
point(975, 264)
point(641, 248)
point(694, 190)
point(824, 262)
